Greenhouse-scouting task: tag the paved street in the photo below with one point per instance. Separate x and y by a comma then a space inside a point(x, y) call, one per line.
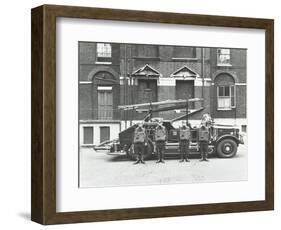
point(98, 169)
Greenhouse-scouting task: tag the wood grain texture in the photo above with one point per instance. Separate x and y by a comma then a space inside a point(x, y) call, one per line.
point(37, 116)
point(269, 113)
point(43, 158)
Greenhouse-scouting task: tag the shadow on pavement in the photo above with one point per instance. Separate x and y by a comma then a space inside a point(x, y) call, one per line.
point(118, 158)
point(124, 158)
point(24, 215)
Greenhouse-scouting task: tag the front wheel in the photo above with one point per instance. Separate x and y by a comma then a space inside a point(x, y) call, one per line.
point(227, 148)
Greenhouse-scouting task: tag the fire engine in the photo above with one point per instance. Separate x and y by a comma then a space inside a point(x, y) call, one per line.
point(224, 139)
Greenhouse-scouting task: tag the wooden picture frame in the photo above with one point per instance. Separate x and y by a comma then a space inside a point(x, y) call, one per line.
point(43, 205)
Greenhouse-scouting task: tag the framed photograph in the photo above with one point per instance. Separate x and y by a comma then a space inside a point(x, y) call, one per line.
point(139, 114)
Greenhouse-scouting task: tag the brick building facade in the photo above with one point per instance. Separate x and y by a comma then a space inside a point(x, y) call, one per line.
point(120, 74)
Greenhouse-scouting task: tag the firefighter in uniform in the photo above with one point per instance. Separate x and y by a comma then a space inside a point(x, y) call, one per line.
point(203, 138)
point(160, 136)
point(206, 120)
point(139, 143)
point(184, 139)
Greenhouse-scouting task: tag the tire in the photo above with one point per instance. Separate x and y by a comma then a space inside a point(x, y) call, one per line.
point(211, 151)
point(147, 155)
point(226, 148)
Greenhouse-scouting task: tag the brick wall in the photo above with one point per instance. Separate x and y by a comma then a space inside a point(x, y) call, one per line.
point(85, 101)
point(166, 65)
point(87, 60)
point(241, 101)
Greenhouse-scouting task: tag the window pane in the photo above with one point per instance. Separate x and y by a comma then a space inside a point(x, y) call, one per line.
point(227, 103)
point(223, 56)
point(226, 91)
point(220, 103)
point(221, 91)
point(224, 103)
point(105, 105)
point(224, 51)
point(103, 50)
point(101, 98)
point(109, 98)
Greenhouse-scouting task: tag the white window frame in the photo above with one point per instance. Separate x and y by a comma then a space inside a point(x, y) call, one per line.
point(104, 88)
point(232, 94)
point(219, 54)
point(103, 50)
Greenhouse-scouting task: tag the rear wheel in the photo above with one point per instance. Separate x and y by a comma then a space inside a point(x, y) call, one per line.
point(147, 153)
point(227, 148)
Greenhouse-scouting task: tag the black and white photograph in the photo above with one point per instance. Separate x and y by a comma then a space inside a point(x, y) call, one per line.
point(152, 114)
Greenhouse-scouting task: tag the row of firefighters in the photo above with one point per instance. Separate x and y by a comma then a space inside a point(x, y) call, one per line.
point(160, 136)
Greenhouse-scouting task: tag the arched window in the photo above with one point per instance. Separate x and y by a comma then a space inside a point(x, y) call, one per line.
point(104, 82)
point(226, 92)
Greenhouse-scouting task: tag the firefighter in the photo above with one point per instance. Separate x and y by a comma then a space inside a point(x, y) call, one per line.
point(160, 136)
point(203, 139)
point(184, 140)
point(139, 143)
point(206, 120)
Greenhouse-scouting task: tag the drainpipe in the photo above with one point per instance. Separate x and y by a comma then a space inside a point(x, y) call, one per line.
point(125, 83)
point(202, 74)
point(131, 83)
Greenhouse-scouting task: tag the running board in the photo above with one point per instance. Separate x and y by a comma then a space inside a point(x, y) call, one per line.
point(176, 145)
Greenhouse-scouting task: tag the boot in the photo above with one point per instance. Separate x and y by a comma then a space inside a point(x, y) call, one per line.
point(160, 161)
point(161, 158)
point(138, 160)
point(182, 158)
point(205, 157)
point(142, 161)
point(202, 157)
point(187, 156)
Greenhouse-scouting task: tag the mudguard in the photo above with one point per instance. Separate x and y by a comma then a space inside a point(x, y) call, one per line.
point(230, 137)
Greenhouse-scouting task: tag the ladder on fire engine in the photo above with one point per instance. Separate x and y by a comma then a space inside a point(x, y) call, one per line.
point(168, 105)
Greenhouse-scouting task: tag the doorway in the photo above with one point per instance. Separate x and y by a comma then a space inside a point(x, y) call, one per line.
point(185, 90)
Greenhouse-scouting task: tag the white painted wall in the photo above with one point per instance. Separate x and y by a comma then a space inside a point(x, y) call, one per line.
point(114, 131)
point(15, 106)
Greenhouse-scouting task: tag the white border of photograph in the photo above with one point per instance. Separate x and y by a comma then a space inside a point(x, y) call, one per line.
point(72, 198)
